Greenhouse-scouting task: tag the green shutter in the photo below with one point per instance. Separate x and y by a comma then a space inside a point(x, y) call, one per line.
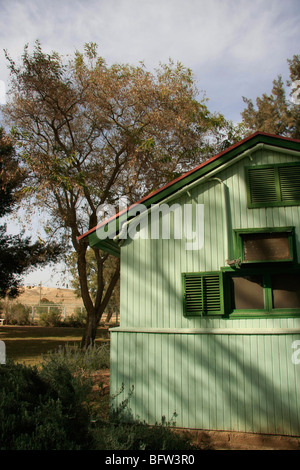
point(203, 294)
point(289, 178)
point(262, 185)
point(276, 185)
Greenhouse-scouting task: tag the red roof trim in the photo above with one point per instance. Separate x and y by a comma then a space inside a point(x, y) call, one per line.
point(215, 157)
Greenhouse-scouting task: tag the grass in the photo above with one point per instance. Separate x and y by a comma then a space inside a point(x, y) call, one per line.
point(27, 344)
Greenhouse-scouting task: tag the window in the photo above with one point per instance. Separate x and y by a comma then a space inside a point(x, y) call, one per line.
point(265, 245)
point(285, 290)
point(273, 185)
point(243, 292)
point(203, 294)
point(247, 292)
point(267, 292)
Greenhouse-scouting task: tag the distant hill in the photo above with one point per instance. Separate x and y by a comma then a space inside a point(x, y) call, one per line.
point(32, 295)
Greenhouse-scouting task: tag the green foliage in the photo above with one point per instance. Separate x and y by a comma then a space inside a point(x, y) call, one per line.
point(92, 276)
point(123, 432)
point(49, 409)
point(41, 410)
point(276, 113)
point(17, 253)
point(89, 133)
point(49, 313)
point(75, 320)
point(77, 359)
point(18, 314)
point(140, 436)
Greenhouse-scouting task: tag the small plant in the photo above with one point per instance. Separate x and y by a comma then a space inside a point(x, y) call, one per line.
point(78, 359)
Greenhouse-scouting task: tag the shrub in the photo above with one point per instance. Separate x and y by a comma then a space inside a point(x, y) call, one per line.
point(76, 320)
point(124, 432)
point(17, 314)
point(137, 435)
point(49, 313)
point(41, 410)
point(77, 359)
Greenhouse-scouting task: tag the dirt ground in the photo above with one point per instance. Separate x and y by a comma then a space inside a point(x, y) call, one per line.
point(224, 440)
point(101, 381)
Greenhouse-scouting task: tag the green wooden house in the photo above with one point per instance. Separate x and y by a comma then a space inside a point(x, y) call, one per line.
point(210, 293)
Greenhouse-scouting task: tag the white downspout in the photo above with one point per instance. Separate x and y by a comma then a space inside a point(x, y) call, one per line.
point(226, 224)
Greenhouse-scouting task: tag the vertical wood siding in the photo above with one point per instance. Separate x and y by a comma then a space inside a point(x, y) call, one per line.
point(151, 285)
point(231, 382)
point(244, 383)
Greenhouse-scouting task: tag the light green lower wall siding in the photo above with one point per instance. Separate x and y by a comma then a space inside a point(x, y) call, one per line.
point(214, 381)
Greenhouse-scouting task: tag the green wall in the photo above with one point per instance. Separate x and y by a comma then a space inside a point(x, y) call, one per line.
point(218, 381)
point(225, 374)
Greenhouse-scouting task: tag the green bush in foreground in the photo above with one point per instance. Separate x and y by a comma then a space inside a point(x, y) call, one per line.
point(41, 411)
point(123, 432)
point(139, 436)
point(48, 409)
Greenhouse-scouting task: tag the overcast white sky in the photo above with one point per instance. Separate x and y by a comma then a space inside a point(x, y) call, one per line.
point(234, 47)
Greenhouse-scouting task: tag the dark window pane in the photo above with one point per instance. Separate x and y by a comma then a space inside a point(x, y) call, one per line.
point(266, 246)
point(247, 292)
point(286, 290)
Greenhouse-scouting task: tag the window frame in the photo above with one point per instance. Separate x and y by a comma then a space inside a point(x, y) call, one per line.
point(268, 311)
point(238, 244)
point(279, 202)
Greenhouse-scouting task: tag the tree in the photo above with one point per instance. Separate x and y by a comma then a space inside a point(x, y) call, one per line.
point(92, 276)
point(275, 113)
point(17, 254)
point(90, 133)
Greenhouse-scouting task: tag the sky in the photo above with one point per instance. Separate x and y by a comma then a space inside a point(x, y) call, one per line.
point(235, 48)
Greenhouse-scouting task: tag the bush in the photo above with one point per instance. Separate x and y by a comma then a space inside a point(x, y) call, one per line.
point(137, 435)
point(124, 432)
point(76, 320)
point(49, 313)
point(42, 410)
point(18, 314)
point(76, 359)
point(48, 409)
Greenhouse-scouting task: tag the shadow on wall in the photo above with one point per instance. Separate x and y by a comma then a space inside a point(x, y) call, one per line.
point(244, 383)
point(220, 382)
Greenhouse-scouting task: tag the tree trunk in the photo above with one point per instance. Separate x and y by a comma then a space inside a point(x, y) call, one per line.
point(95, 312)
point(90, 331)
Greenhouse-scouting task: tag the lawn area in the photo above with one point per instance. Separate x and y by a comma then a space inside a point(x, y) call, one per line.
point(27, 344)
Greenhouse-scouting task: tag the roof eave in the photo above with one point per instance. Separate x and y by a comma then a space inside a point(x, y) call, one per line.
point(189, 177)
